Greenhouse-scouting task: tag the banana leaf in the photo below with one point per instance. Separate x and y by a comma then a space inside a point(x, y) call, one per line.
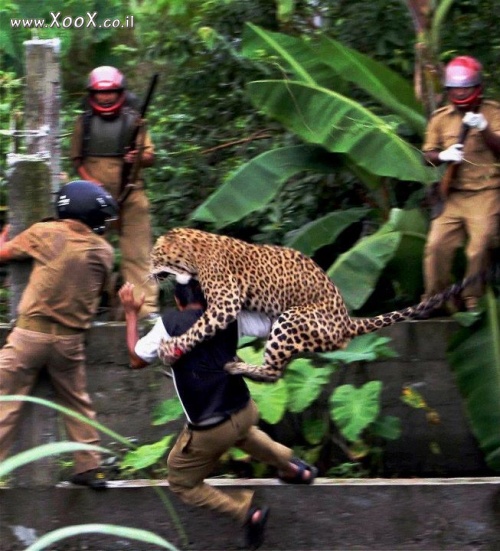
point(383, 84)
point(323, 231)
point(256, 183)
point(405, 268)
point(341, 125)
point(357, 271)
point(329, 63)
point(290, 55)
point(474, 356)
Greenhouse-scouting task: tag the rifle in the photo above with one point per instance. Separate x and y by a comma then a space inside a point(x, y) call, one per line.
point(452, 168)
point(131, 170)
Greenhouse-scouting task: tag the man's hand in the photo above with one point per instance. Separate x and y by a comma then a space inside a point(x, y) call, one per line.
point(475, 120)
point(453, 154)
point(131, 305)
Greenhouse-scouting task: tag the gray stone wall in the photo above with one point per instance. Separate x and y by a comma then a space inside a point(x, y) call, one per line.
point(125, 398)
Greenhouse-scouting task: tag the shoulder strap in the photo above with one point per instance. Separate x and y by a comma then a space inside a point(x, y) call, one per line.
point(86, 118)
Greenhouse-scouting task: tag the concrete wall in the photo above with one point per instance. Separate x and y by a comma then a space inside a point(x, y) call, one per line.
point(333, 515)
point(370, 515)
point(124, 399)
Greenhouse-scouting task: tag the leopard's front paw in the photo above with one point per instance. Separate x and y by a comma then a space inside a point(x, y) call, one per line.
point(169, 352)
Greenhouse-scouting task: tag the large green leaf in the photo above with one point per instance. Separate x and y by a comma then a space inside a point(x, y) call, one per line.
point(147, 455)
point(357, 271)
point(166, 411)
point(106, 529)
point(474, 355)
point(341, 125)
point(256, 183)
point(405, 268)
point(328, 62)
point(294, 54)
point(365, 348)
point(353, 409)
point(271, 399)
point(383, 84)
point(323, 231)
point(304, 383)
point(290, 54)
point(388, 427)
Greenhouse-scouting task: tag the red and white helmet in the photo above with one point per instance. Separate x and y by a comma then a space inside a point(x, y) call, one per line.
point(106, 79)
point(465, 72)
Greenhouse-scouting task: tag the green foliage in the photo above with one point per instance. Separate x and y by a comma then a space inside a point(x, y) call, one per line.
point(365, 348)
point(46, 450)
point(137, 534)
point(51, 449)
point(372, 253)
point(355, 413)
point(254, 185)
point(353, 409)
point(304, 382)
point(166, 411)
point(324, 231)
point(474, 355)
point(145, 456)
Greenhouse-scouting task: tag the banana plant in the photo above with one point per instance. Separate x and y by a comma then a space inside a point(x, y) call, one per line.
point(312, 102)
point(338, 133)
point(474, 355)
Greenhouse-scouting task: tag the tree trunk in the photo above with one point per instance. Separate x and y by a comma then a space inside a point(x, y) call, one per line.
point(34, 175)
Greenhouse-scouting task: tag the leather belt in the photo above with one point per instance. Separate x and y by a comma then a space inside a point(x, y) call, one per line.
point(208, 426)
point(46, 325)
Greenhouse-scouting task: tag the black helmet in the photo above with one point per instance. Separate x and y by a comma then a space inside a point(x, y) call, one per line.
point(87, 202)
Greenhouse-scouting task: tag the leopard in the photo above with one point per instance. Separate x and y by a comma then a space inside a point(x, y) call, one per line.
point(307, 310)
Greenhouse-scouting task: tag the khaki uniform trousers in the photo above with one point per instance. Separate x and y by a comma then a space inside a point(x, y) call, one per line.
point(470, 218)
point(21, 359)
point(135, 246)
point(135, 236)
point(196, 453)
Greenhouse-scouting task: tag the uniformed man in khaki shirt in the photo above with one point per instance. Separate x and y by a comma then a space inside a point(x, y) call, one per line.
point(99, 150)
point(71, 264)
point(472, 202)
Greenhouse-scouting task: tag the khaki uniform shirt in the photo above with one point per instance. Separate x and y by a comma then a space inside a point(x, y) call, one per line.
point(480, 168)
point(71, 266)
point(106, 170)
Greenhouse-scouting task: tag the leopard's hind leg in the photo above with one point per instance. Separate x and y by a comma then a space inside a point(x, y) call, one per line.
point(309, 328)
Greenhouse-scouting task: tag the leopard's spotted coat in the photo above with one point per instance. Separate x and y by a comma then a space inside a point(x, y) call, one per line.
point(308, 311)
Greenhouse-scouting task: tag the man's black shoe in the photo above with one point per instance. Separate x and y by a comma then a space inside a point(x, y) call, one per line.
point(95, 479)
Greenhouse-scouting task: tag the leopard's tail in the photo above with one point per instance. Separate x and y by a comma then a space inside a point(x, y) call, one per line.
point(360, 326)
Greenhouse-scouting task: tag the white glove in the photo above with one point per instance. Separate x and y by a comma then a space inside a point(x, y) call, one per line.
point(475, 120)
point(453, 154)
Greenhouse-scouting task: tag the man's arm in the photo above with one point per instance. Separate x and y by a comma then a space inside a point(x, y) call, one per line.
point(5, 249)
point(131, 307)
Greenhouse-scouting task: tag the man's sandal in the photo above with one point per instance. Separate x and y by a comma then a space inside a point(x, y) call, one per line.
point(254, 530)
point(299, 478)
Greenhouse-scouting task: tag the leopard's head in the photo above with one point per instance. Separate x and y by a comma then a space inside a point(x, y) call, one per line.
point(173, 254)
